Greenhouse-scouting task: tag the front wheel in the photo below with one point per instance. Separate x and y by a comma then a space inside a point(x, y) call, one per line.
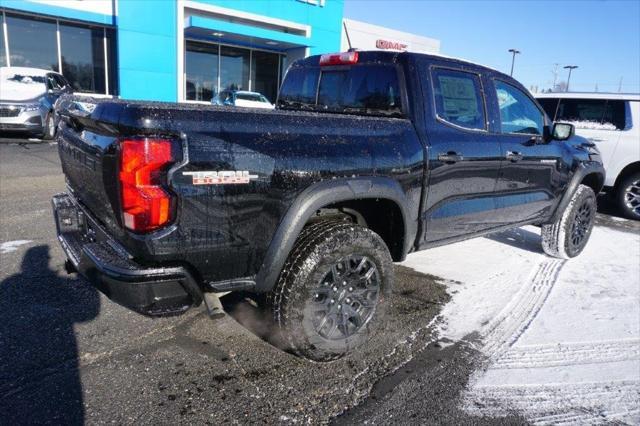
point(49, 131)
point(628, 195)
point(333, 289)
point(568, 235)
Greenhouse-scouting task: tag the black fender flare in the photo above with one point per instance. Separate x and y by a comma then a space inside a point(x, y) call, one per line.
point(584, 169)
point(314, 198)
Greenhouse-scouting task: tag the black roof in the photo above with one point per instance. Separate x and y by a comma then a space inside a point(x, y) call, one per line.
point(380, 56)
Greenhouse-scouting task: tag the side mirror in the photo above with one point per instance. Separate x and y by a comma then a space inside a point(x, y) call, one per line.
point(563, 131)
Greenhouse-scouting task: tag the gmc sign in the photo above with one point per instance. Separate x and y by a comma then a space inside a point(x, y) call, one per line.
point(390, 45)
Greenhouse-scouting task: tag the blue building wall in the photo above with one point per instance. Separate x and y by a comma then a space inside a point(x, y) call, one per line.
point(147, 49)
point(147, 34)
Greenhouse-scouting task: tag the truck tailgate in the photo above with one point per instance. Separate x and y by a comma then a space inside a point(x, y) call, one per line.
point(87, 147)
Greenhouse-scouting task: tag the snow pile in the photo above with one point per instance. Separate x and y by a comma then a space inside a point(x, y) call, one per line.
point(562, 337)
point(591, 125)
point(9, 246)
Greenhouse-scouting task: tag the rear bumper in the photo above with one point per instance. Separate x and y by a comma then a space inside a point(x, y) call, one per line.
point(158, 291)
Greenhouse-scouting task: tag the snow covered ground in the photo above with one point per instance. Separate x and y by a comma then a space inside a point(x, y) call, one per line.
point(562, 337)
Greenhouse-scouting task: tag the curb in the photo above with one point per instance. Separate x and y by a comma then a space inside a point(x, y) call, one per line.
point(31, 141)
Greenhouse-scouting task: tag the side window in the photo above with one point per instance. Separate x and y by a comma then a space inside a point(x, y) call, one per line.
point(550, 106)
point(458, 98)
point(518, 113)
point(60, 81)
point(601, 114)
point(53, 83)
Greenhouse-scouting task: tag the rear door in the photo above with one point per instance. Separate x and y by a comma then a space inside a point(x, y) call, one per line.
point(532, 173)
point(463, 157)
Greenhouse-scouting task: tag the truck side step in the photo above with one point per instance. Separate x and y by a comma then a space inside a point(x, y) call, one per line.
point(245, 284)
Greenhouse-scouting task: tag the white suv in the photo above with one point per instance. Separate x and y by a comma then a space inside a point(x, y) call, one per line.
point(611, 121)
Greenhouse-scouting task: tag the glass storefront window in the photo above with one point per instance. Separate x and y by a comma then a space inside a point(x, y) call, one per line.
point(32, 42)
point(264, 74)
point(234, 68)
point(202, 71)
point(82, 54)
point(239, 69)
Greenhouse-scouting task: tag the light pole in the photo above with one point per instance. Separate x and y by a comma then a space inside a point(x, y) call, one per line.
point(570, 68)
point(513, 59)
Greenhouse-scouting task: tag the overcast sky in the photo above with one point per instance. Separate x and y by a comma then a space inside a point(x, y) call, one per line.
point(601, 37)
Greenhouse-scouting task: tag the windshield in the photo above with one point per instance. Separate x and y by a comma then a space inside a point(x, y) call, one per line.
point(16, 86)
point(251, 97)
point(363, 89)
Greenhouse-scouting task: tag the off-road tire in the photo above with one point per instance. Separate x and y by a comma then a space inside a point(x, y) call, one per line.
point(49, 128)
point(559, 238)
point(318, 247)
point(628, 186)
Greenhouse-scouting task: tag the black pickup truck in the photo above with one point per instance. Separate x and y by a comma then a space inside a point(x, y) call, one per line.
point(369, 156)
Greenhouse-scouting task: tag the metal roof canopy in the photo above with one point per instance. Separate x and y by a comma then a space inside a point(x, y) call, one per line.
point(202, 28)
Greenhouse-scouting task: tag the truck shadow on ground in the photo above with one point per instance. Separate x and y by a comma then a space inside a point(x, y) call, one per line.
point(519, 238)
point(39, 377)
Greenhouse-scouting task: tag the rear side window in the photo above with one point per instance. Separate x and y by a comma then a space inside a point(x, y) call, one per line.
point(458, 98)
point(362, 89)
point(602, 114)
point(373, 89)
point(299, 87)
point(518, 113)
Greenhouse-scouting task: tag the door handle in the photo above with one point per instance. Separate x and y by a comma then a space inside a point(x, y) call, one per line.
point(534, 140)
point(450, 157)
point(514, 156)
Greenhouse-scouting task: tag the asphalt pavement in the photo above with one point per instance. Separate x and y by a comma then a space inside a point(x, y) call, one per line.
point(69, 355)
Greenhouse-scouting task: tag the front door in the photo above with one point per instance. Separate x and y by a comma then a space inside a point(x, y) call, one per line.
point(533, 172)
point(463, 157)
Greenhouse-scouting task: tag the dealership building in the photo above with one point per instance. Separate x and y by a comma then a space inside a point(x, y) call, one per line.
point(182, 50)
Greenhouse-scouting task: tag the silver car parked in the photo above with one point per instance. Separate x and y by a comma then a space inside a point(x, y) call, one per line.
point(27, 96)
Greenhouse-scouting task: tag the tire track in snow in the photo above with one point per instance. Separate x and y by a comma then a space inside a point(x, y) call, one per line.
point(516, 317)
point(579, 403)
point(560, 403)
point(573, 417)
point(553, 355)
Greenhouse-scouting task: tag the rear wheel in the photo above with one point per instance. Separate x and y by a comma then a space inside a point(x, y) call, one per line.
point(567, 236)
point(628, 196)
point(332, 291)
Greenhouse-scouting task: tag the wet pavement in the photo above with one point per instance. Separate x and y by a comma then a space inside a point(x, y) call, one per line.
point(69, 355)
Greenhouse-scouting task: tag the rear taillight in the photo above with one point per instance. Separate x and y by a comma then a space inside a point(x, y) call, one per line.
point(146, 205)
point(344, 58)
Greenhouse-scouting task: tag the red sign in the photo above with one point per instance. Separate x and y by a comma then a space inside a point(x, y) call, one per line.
point(390, 45)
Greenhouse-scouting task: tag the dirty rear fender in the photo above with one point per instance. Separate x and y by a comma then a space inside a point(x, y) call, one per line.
point(314, 198)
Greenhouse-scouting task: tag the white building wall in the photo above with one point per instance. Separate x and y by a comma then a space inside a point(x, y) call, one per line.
point(104, 7)
point(364, 36)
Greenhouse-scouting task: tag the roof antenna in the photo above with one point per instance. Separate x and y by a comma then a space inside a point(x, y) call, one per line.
point(346, 32)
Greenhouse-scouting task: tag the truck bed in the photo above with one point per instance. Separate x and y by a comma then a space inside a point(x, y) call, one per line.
point(286, 151)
